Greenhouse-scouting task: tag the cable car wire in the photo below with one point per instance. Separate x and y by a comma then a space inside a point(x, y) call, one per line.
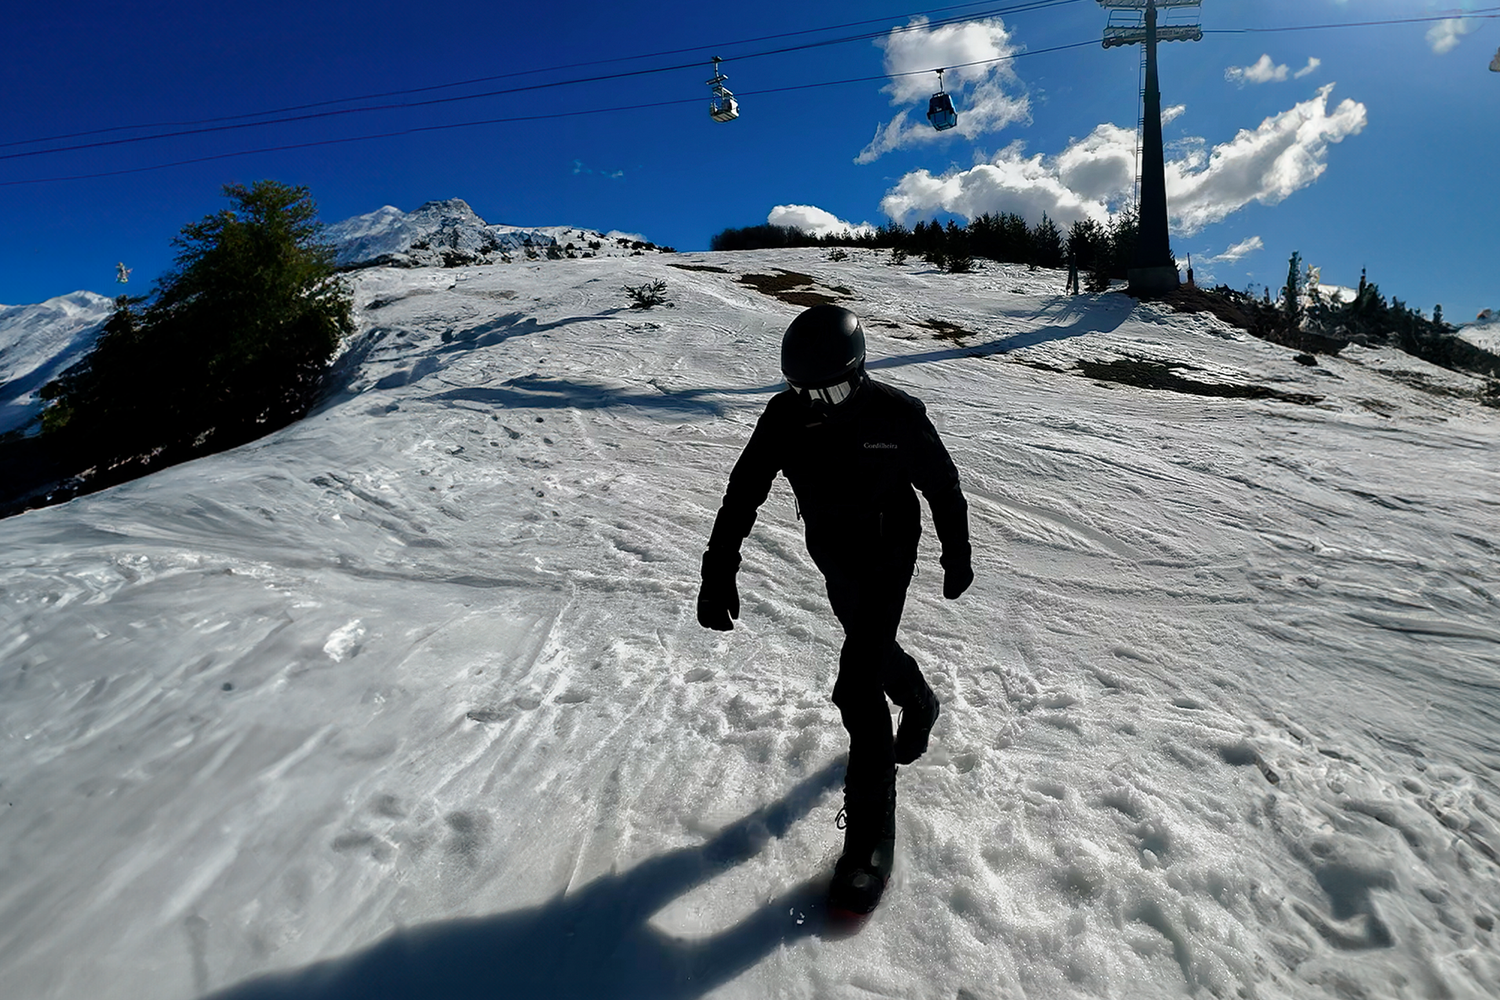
point(1481, 14)
point(416, 129)
point(1025, 7)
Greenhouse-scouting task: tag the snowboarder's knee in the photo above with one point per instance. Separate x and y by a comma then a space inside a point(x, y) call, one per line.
point(855, 694)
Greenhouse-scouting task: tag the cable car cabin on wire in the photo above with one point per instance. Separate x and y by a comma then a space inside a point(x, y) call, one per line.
point(940, 109)
point(723, 107)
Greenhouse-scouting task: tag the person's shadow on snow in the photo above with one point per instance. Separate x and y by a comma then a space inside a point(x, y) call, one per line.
point(595, 942)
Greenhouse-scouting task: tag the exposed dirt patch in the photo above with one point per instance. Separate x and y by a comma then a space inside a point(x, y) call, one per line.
point(1194, 300)
point(1247, 316)
point(700, 267)
point(1379, 406)
point(948, 331)
point(1158, 375)
point(1486, 395)
point(788, 286)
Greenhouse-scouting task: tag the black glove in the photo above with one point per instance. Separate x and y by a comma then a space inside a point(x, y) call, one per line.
point(719, 598)
point(958, 573)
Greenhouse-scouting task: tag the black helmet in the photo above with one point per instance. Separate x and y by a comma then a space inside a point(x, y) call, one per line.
point(823, 346)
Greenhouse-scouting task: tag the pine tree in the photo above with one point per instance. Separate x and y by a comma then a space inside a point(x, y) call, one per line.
point(1124, 233)
point(1085, 238)
point(1047, 243)
point(235, 343)
point(1292, 293)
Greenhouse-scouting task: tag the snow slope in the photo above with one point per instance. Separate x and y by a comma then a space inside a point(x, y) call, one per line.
point(409, 699)
point(1485, 333)
point(37, 343)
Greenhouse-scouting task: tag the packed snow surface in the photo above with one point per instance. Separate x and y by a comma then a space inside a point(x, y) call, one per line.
point(409, 699)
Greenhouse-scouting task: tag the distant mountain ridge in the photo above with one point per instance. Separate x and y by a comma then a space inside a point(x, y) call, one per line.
point(37, 342)
point(450, 233)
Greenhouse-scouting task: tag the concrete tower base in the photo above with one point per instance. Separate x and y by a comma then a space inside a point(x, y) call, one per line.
point(1152, 280)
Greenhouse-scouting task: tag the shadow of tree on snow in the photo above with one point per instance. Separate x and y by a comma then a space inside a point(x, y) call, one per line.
point(552, 392)
point(1095, 320)
point(503, 328)
point(540, 391)
point(596, 942)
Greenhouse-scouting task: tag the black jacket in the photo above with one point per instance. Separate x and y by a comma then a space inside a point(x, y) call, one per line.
point(852, 473)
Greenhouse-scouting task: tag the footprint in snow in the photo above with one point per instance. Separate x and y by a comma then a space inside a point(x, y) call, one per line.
point(524, 703)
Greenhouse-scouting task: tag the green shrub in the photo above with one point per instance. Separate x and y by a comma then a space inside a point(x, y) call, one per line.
point(652, 293)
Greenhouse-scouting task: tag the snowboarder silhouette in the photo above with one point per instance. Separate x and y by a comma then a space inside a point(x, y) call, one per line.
point(852, 449)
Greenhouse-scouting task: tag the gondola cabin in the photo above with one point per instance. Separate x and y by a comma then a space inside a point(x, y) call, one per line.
point(722, 107)
point(940, 110)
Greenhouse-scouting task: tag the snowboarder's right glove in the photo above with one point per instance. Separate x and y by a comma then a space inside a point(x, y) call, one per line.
point(719, 598)
point(958, 573)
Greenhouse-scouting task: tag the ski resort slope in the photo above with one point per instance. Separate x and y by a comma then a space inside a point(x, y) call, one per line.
point(409, 699)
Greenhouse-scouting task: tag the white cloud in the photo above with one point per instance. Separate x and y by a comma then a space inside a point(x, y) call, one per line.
point(1096, 174)
point(978, 91)
point(1286, 153)
point(1267, 70)
point(1241, 249)
point(1172, 113)
point(812, 219)
point(1077, 184)
point(1444, 36)
point(579, 167)
point(1263, 70)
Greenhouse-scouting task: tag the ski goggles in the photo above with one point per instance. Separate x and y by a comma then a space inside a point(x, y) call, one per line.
point(831, 395)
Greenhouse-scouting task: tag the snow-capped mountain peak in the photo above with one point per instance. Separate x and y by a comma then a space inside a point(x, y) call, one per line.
point(449, 233)
point(37, 342)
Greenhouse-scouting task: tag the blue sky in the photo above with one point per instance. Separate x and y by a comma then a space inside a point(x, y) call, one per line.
point(1370, 146)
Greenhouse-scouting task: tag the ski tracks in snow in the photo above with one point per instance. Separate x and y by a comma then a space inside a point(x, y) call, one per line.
point(1218, 712)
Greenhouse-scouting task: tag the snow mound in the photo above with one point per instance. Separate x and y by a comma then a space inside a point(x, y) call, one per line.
point(37, 342)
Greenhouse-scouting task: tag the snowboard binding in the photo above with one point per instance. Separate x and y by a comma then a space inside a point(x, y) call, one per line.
point(859, 880)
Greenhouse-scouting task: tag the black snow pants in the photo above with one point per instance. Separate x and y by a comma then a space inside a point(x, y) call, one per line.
point(868, 594)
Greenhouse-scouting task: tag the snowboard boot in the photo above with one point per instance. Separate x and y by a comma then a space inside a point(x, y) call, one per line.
point(916, 723)
point(860, 876)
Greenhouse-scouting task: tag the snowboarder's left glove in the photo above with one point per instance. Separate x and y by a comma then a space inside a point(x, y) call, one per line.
point(958, 573)
point(719, 598)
